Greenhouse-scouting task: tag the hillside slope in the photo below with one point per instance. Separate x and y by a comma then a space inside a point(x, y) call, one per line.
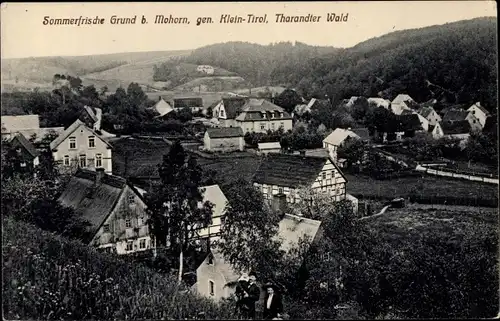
point(258, 64)
point(48, 277)
point(460, 57)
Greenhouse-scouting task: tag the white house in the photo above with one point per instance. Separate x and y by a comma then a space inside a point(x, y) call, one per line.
point(270, 147)
point(402, 102)
point(479, 112)
point(336, 139)
point(431, 115)
point(80, 146)
point(162, 108)
point(424, 123)
point(459, 130)
point(224, 139)
point(207, 69)
point(379, 102)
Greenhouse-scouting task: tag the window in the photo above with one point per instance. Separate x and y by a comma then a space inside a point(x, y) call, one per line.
point(272, 115)
point(473, 112)
point(280, 190)
point(72, 143)
point(264, 115)
point(105, 228)
point(142, 244)
point(272, 125)
point(140, 221)
point(131, 199)
point(211, 287)
point(23, 164)
point(83, 161)
point(281, 115)
point(128, 223)
point(66, 160)
point(91, 142)
point(323, 175)
point(282, 124)
point(130, 245)
point(210, 260)
point(264, 189)
point(221, 113)
point(98, 160)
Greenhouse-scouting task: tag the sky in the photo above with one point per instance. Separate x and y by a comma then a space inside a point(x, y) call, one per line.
point(24, 35)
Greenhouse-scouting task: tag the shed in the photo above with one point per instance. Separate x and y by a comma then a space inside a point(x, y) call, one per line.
point(270, 147)
point(224, 139)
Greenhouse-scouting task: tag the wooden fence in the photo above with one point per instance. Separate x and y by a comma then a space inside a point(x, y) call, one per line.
point(457, 174)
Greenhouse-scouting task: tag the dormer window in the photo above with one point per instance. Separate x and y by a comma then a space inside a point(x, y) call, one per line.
point(272, 115)
point(281, 114)
point(264, 115)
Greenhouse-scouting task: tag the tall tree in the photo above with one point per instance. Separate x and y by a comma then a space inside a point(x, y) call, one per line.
point(176, 206)
point(247, 234)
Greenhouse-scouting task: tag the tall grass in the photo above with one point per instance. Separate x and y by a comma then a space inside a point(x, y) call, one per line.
point(49, 277)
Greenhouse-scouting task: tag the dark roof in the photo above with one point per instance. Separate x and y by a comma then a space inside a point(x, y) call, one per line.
point(455, 127)
point(425, 111)
point(256, 108)
point(455, 115)
point(188, 102)
point(233, 106)
point(362, 132)
point(289, 170)
point(94, 202)
point(225, 132)
point(407, 112)
point(402, 123)
point(26, 144)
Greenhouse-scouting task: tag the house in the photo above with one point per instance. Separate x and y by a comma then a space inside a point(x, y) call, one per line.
point(28, 154)
point(227, 109)
point(214, 195)
point(92, 117)
point(162, 108)
point(80, 146)
point(260, 115)
point(454, 114)
point(113, 207)
point(301, 109)
point(286, 174)
point(424, 123)
point(379, 102)
point(479, 112)
point(195, 104)
point(402, 102)
point(401, 126)
point(29, 126)
point(270, 147)
point(216, 278)
point(209, 70)
point(430, 114)
point(224, 139)
point(336, 139)
point(457, 129)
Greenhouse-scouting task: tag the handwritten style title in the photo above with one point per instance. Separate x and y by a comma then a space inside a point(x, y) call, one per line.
point(172, 19)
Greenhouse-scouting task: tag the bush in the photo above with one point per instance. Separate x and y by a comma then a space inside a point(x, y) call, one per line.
point(50, 277)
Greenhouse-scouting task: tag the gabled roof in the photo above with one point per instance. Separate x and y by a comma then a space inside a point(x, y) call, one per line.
point(94, 202)
point(162, 108)
point(41, 132)
point(255, 109)
point(425, 111)
point(225, 132)
point(292, 228)
point(338, 136)
point(12, 124)
point(233, 106)
point(268, 145)
point(289, 170)
point(68, 131)
point(402, 123)
point(455, 115)
point(90, 112)
point(456, 127)
point(188, 102)
point(26, 144)
point(214, 195)
point(362, 132)
point(402, 98)
point(481, 108)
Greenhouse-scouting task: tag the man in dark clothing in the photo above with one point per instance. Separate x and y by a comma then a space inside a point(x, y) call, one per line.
point(250, 297)
point(273, 306)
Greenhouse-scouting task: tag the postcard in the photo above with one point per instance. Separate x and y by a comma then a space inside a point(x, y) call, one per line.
point(249, 160)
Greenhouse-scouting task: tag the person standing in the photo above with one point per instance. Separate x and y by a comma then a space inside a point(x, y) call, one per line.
point(273, 305)
point(251, 296)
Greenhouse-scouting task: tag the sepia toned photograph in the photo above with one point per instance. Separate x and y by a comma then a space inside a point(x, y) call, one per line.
point(249, 160)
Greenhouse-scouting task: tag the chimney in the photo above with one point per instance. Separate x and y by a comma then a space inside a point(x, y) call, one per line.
point(349, 128)
point(159, 98)
point(99, 175)
point(278, 203)
point(302, 153)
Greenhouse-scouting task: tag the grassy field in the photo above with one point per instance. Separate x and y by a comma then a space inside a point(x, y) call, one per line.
point(48, 277)
point(428, 186)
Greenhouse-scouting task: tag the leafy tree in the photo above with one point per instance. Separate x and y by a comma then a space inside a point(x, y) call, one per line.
point(185, 114)
point(176, 206)
point(482, 147)
point(353, 151)
point(288, 99)
point(247, 233)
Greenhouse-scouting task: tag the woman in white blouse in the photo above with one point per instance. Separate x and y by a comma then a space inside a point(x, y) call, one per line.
point(273, 306)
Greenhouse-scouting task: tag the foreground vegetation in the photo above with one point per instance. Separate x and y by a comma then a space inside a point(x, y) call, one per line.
point(49, 277)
